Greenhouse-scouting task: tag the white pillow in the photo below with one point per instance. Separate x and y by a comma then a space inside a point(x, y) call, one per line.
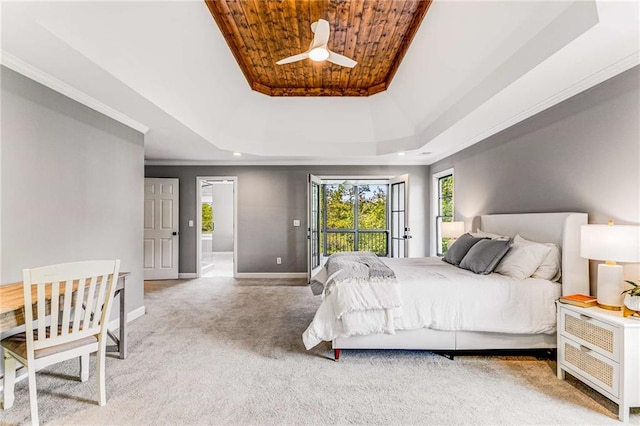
point(481, 234)
point(522, 260)
point(550, 267)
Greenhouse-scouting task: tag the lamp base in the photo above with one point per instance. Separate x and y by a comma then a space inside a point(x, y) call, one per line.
point(609, 307)
point(610, 286)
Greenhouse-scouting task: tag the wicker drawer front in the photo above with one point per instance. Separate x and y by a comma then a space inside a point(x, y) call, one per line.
point(596, 368)
point(592, 333)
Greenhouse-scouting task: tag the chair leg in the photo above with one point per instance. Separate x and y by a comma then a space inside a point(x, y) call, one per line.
point(9, 381)
point(84, 367)
point(33, 396)
point(100, 372)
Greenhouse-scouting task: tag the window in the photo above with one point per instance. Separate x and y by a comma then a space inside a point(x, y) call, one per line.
point(443, 208)
point(355, 218)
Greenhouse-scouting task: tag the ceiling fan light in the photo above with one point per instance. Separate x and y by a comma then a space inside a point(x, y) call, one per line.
point(319, 54)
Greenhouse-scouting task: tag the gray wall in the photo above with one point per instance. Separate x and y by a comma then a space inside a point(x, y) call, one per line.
point(222, 216)
point(581, 155)
point(269, 199)
point(72, 184)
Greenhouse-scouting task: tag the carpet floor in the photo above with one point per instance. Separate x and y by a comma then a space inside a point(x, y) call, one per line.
point(226, 351)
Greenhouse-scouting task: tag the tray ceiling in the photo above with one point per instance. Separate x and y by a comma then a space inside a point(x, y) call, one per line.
point(375, 33)
point(474, 68)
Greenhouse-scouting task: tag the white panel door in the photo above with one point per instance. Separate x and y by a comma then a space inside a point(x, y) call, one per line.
point(399, 213)
point(160, 229)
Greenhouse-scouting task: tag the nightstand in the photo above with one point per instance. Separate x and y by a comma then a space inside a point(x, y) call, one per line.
point(601, 349)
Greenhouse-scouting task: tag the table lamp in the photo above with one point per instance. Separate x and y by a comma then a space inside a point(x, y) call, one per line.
point(452, 230)
point(611, 243)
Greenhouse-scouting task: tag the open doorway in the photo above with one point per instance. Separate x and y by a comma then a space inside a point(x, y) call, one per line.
point(216, 226)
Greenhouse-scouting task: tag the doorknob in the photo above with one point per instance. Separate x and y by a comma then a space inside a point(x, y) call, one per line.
point(175, 233)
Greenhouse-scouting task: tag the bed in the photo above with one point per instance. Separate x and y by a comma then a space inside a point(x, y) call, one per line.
point(471, 323)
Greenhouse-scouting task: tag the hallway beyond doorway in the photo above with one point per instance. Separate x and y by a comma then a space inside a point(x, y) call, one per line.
point(217, 264)
point(216, 226)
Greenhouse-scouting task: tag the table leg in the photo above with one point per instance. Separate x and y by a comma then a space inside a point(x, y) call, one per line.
point(122, 345)
point(121, 339)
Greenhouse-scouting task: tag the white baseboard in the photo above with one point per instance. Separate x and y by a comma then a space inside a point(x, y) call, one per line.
point(271, 275)
point(133, 315)
point(187, 275)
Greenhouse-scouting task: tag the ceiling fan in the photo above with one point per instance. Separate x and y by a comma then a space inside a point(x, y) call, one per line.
point(318, 50)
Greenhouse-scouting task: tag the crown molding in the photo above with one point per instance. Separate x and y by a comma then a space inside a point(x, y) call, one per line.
point(36, 74)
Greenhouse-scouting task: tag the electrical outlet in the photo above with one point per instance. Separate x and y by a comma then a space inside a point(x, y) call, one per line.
point(190, 224)
point(278, 261)
point(296, 222)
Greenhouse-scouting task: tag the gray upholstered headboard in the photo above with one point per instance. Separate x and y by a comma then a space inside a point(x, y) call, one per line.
point(562, 229)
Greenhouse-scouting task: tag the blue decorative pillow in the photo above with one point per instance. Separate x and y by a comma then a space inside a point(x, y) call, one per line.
point(484, 256)
point(459, 249)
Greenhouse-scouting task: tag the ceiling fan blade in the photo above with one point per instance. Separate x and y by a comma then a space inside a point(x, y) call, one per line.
point(293, 58)
point(341, 60)
point(321, 30)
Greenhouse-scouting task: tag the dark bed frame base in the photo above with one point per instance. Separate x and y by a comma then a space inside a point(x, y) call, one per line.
point(548, 353)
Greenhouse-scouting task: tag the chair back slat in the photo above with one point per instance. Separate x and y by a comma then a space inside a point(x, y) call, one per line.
point(41, 306)
point(78, 305)
point(66, 309)
point(92, 303)
point(97, 317)
point(76, 296)
point(55, 307)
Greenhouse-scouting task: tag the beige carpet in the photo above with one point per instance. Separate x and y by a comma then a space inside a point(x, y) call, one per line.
point(221, 351)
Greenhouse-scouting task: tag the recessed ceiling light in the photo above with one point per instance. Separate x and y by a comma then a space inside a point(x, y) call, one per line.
point(237, 154)
point(400, 154)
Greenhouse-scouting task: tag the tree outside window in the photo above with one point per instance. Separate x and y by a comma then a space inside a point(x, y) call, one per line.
point(445, 209)
point(354, 222)
point(207, 217)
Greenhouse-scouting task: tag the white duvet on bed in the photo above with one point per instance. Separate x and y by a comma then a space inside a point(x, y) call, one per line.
point(441, 296)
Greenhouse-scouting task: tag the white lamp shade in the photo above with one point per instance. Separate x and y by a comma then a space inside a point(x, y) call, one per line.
point(618, 243)
point(452, 229)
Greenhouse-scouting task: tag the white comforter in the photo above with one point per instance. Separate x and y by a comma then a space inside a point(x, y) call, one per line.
point(437, 295)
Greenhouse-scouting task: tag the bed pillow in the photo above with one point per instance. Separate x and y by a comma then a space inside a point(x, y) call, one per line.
point(483, 257)
point(523, 259)
point(481, 234)
point(550, 268)
point(459, 249)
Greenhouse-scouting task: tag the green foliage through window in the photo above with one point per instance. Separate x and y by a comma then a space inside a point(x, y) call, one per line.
point(445, 207)
point(207, 217)
point(372, 207)
point(340, 205)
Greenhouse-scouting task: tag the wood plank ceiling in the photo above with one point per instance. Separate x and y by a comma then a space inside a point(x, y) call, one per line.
point(375, 33)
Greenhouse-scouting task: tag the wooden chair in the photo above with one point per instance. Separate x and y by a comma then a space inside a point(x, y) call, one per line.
point(71, 303)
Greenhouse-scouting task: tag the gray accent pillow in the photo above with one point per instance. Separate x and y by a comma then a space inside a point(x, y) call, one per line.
point(459, 249)
point(484, 256)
